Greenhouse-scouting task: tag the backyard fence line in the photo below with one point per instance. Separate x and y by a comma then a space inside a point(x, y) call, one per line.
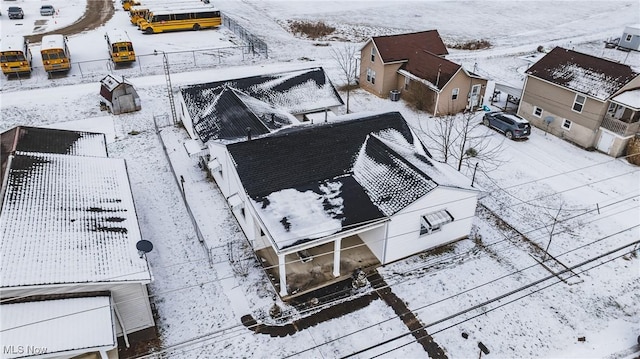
point(145, 65)
point(256, 45)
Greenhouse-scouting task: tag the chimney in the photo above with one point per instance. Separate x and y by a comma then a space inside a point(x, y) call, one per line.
point(248, 133)
point(273, 118)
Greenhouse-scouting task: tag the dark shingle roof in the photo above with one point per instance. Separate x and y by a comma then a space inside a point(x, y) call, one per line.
point(594, 76)
point(229, 118)
point(346, 173)
point(309, 182)
point(262, 103)
point(306, 154)
point(432, 68)
point(400, 47)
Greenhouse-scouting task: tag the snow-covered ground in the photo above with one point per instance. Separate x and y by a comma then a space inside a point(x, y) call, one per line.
point(200, 296)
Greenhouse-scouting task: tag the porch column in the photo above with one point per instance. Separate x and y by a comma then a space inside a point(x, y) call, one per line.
point(336, 257)
point(283, 274)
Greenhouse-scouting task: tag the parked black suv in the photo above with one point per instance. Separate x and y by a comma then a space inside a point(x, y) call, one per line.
point(513, 126)
point(15, 12)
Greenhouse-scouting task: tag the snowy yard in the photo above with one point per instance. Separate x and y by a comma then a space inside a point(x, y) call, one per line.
point(490, 287)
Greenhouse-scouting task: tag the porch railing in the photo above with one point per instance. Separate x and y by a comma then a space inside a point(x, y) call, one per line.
point(620, 127)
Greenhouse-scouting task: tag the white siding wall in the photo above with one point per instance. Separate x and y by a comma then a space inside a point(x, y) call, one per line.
point(183, 115)
point(375, 239)
point(132, 300)
point(404, 228)
point(229, 184)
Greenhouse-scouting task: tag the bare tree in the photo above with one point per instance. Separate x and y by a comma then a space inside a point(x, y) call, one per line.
point(474, 145)
point(442, 135)
point(459, 137)
point(346, 59)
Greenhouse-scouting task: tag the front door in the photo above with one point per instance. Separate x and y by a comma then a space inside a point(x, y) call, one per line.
point(474, 96)
point(606, 141)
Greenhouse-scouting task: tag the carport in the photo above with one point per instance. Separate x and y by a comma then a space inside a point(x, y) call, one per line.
point(513, 95)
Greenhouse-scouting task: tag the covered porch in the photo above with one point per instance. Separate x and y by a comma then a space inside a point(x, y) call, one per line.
point(313, 267)
point(623, 114)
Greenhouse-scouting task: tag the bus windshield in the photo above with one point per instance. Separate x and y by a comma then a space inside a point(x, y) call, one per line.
point(12, 57)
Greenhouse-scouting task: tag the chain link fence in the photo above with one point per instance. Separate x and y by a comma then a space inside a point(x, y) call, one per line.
point(256, 45)
point(147, 64)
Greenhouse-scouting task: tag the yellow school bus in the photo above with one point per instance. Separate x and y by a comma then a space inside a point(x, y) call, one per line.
point(127, 4)
point(184, 19)
point(137, 13)
point(55, 53)
point(15, 56)
point(120, 46)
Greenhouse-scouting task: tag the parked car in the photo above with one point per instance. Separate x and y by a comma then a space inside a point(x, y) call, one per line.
point(47, 10)
point(15, 12)
point(512, 125)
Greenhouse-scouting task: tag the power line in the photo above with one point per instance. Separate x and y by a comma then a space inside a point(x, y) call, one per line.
point(212, 281)
point(502, 296)
point(492, 281)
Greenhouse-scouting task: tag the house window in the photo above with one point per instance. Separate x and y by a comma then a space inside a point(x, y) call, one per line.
point(454, 93)
point(578, 103)
point(612, 107)
point(242, 213)
point(628, 38)
point(566, 124)
point(537, 111)
point(373, 54)
point(371, 76)
point(407, 81)
point(433, 222)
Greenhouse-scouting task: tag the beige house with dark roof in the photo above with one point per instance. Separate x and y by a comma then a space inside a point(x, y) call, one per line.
point(589, 101)
point(402, 62)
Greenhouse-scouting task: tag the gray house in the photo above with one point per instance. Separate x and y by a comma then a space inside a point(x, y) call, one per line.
point(630, 38)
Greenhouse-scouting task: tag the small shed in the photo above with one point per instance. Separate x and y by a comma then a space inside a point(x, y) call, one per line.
point(119, 95)
point(630, 38)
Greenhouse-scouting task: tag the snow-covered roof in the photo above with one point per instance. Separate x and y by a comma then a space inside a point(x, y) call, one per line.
point(224, 110)
point(632, 29)
point(110, 82)
point(47, 140)
point(68, 219)
point(309, 182)
point(590, 75)
point(630, 98)
point(57, 327)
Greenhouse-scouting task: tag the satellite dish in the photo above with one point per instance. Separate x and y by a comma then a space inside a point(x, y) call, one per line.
point(144, 247)
point(548, 120)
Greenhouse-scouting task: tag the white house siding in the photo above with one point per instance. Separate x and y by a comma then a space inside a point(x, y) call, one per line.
point(229, 184)
point(404, 228)
point(134, 308)
point(375, 240)
point(184, 117)
point(132, 300)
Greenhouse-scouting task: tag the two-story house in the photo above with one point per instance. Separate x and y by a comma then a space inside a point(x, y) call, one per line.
point(590, 101)
point(415, 62)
